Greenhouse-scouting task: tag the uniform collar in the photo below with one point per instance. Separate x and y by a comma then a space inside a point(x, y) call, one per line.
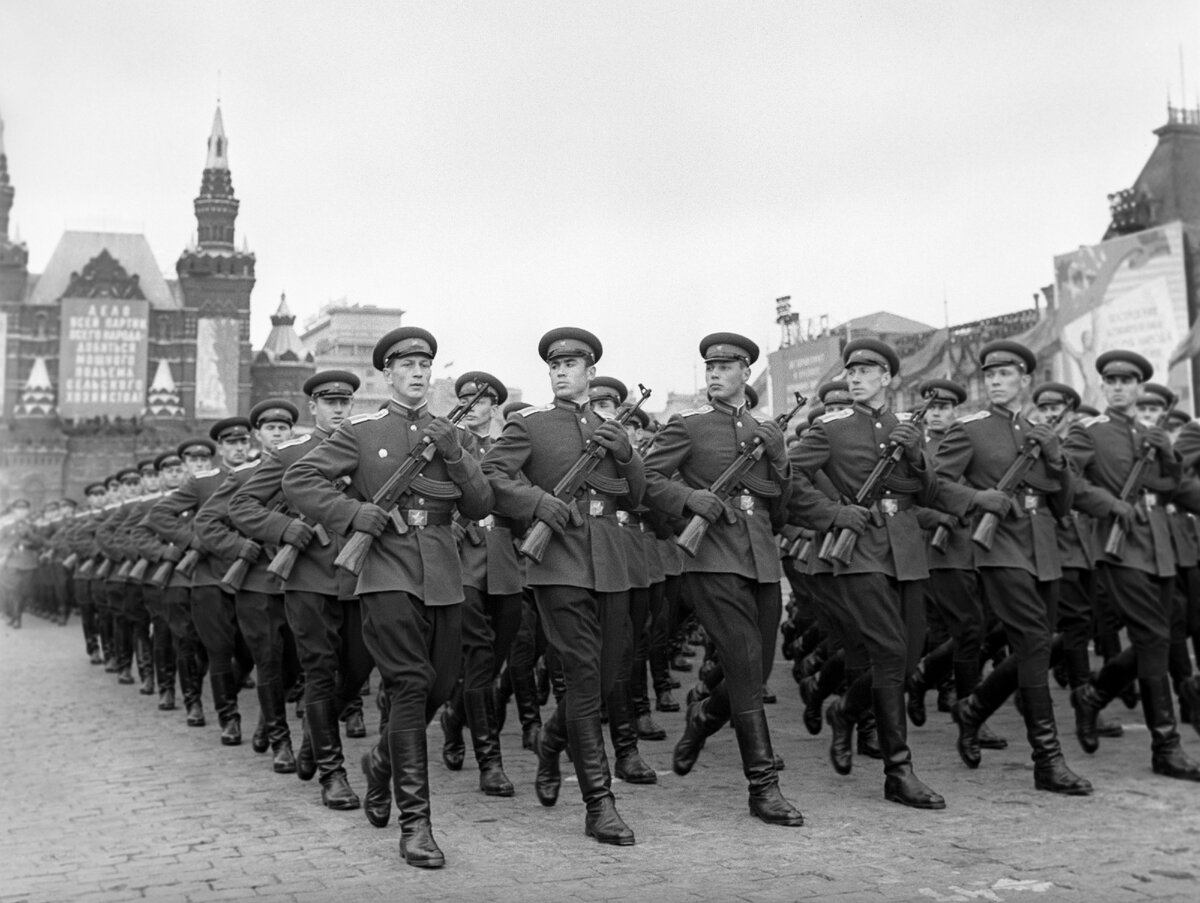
point(406, 412)
point(567, 405)
point(1114, 414)
point(726, 408)
point(1001, 411)
point(863, 408)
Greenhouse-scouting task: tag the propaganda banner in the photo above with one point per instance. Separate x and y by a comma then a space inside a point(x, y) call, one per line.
point(217, 349)
point(102, 358)
point(801, 368)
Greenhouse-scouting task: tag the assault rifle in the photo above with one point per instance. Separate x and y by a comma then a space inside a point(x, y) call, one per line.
point(1115, 544)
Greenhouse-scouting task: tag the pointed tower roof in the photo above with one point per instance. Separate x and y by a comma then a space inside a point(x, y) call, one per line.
point(162, 399)
point(37, 396)
point(218, 144)
point(283, 344)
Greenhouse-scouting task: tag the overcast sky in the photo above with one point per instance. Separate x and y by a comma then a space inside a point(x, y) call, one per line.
point(651, 171)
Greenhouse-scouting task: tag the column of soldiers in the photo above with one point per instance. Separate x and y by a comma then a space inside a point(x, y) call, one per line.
point(920, 548)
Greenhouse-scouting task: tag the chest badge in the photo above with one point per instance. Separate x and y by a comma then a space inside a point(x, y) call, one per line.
point(383, 452)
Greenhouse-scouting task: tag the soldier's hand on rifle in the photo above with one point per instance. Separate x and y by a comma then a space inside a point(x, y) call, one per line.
point(852, 517)
point(908, 437)
point(1052, 454)
point(994, 502)
point(554, 512)
point(773, 442)
point(612, 437)
point(706, 504)
point(444, 436)
point(249, 550)
point(297, 533)
point(369, 518)
point(1158, 439)
point(1126, 515)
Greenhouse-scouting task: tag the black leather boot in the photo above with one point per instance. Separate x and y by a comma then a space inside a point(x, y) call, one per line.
point(1090, 699)
point(453, 720)
point(274, 717)
point(260, 742)
point(377, 769)
point(410, 782)
point(306, 764)
point(595, 782)
point(524, 688)
point(704, 718)
point(352, 714)
point(989, 739)
point(866, 737)
point(551, 742)
point(665, 702)
point(327, 751)
point(224, 691)
point(915, 688)
point(1189, 695)
point(767, 801)
point(970, 713)
point(1050, 771)
point(630, 766)
point(166, 699)
point(145, 665)
point(1167, 755)
point(485, 739)
point(900, 784)
point(192, 687)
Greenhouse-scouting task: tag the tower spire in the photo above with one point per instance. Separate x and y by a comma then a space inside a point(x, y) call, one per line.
point(6, 190)
point(218, 144)
point(216, 207)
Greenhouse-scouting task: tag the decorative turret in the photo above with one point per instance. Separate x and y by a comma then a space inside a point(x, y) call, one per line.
point(162, 398)
point(37, 396)
point(14, 256)
point(216, 207)
point(283, 364)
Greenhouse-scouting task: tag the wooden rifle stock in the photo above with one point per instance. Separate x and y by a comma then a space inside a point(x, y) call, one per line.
point(940, 538)
point(70, 561)
point(354, 552)
point(285, 559)
point(137, 573)
point(235, 575)
point(693, 534)
point(533, 544)
point(1114, 545)
point(187, 564)
point(104, 569)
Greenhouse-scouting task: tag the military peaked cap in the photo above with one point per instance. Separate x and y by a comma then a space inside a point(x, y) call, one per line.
point(834, 392)
point(570, 341)
point(1004, 353)
point(274, 410)
point(1057, 393)
point(404, 342)
point(229, 428)
point(871, 351)
point(167, 459)
point(195, 447)
point(331, 384)
point(468, 384)
point(943, 390)
point(607, 387)
point(1124, 363)
point(1155, 393)
point(728, 346)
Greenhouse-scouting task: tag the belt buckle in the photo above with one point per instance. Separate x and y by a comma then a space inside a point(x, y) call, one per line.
point(889, 506)
point(623, 518)
point(1170, 508)
point(488, 522)
point(745, 502)
point(419, 518)
point(1032, 502)
point(1150, 499)
point(596, 507)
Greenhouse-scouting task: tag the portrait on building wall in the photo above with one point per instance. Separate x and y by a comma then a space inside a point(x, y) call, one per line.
point(217, 348)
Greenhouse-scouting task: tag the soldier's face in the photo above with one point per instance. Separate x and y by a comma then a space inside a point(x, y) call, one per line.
point(1050, 413)
point(330, 412)
point(1121, 390)
point(939, 415)
point(1004, 383)
point(96, 499)
point(131, 488)
point(479, 418)
point(196, 463)
point(1149, 414)
point(151, 481)
point(726, 379)
point(272, 433)
point(605, 407)
point(172, 476)
point(233, 451)
point(569, 377)
point(867, 381)
point(409, 379)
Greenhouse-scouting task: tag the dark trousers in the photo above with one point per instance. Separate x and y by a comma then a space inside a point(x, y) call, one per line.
point(329, 639)
point(741, 617)
point(1143, 602)
point(264, 625)
point(587, 631)
point(131, 623)
point(1025, 606)
point(418, 650)
point(104, 619)
point(214, 613)
point(955, 593)
point(87, 615)
point(873, 604)
point(489, 624)
point(1075, 620)
point(162, 643)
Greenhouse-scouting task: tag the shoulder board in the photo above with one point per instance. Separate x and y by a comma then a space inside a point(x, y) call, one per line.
point(760, 418)
point(299, 440)
point(525, 412)
point(978, 415)
point(462, 426)
point(378, 415)
point(1094, 421)
point(112, 506)
point(703, 409)
point(836, 415)
point(247, 465)
point(211, 472)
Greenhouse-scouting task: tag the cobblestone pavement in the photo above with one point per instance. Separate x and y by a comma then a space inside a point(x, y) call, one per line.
point(105, 798)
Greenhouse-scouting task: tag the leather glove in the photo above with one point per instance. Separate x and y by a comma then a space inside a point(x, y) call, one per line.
point(444, 436)
point(369, 519)
point(949, 521)
point(908, 436)
point(994, 502)
point(852, 517)
point(1051, 446)
point(612, 437)
point(297, 533)
point(1158, 439)
point(773, 442)
point(706, 504)
point(1125, 514)
point(249, 550)
point(555, 512)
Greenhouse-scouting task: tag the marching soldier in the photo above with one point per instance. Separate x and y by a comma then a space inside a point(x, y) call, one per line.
point(319, 598)
point(581, 584)
point(888, 559)
point(734, 579)
point(411, 580)
point(19, 545)
point(1018, 575)
point(80, 543)
point(1103, 451)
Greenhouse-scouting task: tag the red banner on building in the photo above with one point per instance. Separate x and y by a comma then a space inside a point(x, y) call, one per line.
point(102, 359)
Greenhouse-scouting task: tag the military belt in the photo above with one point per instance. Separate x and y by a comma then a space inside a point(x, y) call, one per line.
point(1150, 499)
point(631, 520)
point(1032, 502)
point(891, 505)
point(596, 507)
point(422, 517)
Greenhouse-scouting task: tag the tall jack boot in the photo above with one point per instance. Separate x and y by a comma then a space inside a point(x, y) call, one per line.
point(410, 782)
point(704, 718)
point(971, 712)
point(306, 763)
point(454, 748)
point(273, 701)
point(224, 690)
point(819, 686)
point(165, 666)
point(377, 769)
point(327, 750)
point(1167, 755)
point(630, 766)
point(485, 738)
point(1189, 695)
point(1050, 771)
point(900, 785)
point(551, 742)
point(767, 801)
point(524, 687)
point(595, 783)
point(145, 665)
point(842, 715)
point(192, 686)
point(867, 737)
point(1091, 698)
point(930, 672)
